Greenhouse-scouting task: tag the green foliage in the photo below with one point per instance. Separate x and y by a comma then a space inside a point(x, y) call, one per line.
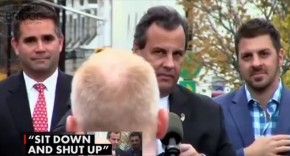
point(124, 141)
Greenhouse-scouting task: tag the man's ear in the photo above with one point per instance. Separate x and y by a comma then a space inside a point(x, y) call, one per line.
point(136, 49)
point(281, 57)
point(14, 44)
point(162, 124)
point(71, 124)
point(61, 40)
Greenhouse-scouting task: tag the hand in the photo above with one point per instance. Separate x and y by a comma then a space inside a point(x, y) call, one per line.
point(269, 146)
point(187, 150)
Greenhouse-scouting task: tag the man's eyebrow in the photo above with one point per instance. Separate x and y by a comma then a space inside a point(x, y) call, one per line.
point(264, 49)
point(29, 39)
point(158, 48)
point(47, 35)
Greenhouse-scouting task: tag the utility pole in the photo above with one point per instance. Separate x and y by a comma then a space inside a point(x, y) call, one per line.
point(63, 23)
point(8, 63)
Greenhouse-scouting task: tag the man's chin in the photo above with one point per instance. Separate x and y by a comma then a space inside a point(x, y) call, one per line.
point(259, 86)
point(166, 88)
point(40, 69)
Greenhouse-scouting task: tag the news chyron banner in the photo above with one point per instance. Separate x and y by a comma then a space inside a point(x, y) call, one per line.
point(64, 144)
point(90, 143)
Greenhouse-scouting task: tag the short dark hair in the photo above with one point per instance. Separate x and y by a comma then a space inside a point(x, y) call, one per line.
point(133, 134)
point(165, 17)
point(33, 11)
point(256, 27)
point(109, 134)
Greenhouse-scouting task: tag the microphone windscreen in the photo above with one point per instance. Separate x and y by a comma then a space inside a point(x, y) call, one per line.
point(174, 129)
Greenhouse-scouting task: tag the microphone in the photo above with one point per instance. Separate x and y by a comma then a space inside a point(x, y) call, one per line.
point(173, 136)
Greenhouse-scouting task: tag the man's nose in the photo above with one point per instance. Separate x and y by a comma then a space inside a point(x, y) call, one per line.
point(256, 61)
point(39, 46)
point(169, 61)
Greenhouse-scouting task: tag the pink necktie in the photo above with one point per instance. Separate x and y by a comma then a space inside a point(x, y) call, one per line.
point(40, 123)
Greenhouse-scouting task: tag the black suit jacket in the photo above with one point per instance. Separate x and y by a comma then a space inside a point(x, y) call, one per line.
point(202, 121)
point(120, 152)
point(15, 116)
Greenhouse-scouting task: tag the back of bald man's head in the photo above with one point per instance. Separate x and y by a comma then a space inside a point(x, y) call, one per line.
point(117, 64)
point(114, 84)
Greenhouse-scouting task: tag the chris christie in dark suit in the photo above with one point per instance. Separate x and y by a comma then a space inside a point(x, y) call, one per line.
point(161, 39)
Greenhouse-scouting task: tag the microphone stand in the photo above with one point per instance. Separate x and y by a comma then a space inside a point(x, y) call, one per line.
point(172, 149)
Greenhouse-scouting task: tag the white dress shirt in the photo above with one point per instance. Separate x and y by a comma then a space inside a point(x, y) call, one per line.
point(49, 93)
point(163, 103)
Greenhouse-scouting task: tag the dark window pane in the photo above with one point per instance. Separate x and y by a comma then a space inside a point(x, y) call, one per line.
point(92, 1)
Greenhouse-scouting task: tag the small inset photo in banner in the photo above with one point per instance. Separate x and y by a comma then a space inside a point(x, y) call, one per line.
point(123, 143)
point(89, 143)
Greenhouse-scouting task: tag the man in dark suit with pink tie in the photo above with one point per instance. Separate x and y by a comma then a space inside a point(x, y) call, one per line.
point(35, 99)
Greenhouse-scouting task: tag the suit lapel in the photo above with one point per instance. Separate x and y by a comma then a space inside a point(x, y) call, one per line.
point(242, 117)
point(19, 105)
point(62, 94)
point(177, 102)
point(283, 125)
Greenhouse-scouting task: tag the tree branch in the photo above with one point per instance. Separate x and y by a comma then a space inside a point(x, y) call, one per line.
point(272, 8)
